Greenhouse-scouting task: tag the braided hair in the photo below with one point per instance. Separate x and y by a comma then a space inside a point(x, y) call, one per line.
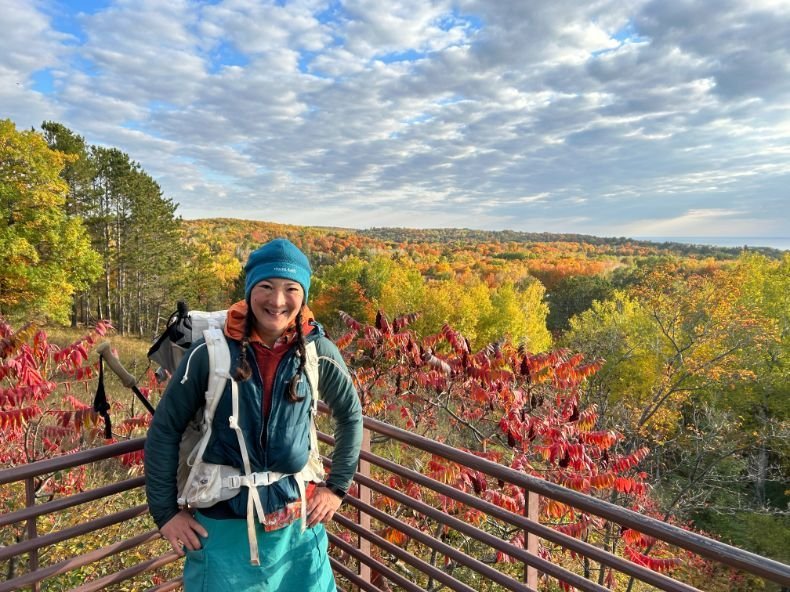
point(293, 392)
point(244, 370)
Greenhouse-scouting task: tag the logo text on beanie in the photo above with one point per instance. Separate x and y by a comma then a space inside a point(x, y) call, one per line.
point(285, 269)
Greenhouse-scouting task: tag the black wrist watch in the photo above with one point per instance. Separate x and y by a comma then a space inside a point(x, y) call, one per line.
point(337, 491)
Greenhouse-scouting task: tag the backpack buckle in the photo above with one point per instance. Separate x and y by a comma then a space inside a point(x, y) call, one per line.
point(262, 478)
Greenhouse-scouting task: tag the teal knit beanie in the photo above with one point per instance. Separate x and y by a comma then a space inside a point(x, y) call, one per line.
point(279, 258)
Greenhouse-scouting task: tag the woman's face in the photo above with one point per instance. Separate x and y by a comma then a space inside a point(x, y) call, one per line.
point(275, 303)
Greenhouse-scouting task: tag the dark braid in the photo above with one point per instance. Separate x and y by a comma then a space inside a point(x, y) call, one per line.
point(293, 393)
point(244, 370)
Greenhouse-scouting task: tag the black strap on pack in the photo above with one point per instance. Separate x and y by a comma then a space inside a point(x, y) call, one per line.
point(100, 403)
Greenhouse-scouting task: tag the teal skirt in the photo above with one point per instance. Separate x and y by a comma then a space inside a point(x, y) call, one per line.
point(291, 560)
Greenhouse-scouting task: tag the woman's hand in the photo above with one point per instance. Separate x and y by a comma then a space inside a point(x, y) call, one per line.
point(322, 506)
point(182, 532)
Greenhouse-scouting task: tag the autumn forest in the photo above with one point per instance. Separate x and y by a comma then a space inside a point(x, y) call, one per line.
point(656, 376)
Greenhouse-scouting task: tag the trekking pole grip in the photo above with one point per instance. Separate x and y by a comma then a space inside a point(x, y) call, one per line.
point(104, 349)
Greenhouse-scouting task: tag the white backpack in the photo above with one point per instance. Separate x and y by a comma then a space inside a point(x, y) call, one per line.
point(202, 484)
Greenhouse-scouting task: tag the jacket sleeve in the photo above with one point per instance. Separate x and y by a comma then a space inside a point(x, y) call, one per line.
point(337, 390)
point(178, 406)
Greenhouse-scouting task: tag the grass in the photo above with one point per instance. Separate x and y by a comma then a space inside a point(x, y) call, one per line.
point(130, 350)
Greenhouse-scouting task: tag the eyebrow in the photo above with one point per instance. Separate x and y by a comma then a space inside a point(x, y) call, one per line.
point(286, 282)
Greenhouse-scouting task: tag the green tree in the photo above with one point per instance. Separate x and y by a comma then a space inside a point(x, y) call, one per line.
point(45, 254)
point(762, 394)
point(78, 173)
point(79, 170)
point(574, 295)
point(340, 287)
point(696, 368)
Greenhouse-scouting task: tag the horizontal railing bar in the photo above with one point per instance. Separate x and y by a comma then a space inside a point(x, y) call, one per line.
point(71, 501)
point(129, 572)
point(556, 571)
point(385, 570)
point(77, 561)
point(344, 571)
point(706, 547)
point(173, 584)
point(423, 566)
point(703, 546)
point(74, 531)
point(623, 565)
point(443, 548)
point(67, 461)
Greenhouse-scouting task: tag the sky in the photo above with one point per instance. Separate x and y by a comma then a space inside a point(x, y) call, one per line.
point(612, 118)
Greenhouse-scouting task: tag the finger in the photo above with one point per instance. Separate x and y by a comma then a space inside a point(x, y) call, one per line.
point(198, 528)
point(177, 547)
point(315, 517)
point(191, 538)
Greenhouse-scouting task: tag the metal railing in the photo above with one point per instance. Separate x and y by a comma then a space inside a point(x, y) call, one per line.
point(361, 557)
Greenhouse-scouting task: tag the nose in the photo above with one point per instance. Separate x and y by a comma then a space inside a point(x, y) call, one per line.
point(278, 296)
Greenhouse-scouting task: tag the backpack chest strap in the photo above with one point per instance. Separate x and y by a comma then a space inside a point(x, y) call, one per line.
point(253, 479)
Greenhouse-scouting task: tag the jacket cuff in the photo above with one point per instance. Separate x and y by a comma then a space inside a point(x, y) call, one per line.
point(341, 493)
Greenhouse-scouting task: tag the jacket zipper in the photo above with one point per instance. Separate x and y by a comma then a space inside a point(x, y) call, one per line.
point(263, 438)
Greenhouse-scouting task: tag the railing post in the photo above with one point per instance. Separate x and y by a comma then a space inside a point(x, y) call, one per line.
point(363, 519)
point(532, 512)
point(32, 530)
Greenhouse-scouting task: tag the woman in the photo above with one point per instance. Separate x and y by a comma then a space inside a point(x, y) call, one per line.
point(267, 334)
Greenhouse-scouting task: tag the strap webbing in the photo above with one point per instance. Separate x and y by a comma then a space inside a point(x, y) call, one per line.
point(219, 363)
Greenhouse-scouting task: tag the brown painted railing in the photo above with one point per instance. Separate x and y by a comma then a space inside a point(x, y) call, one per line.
point(371, 558)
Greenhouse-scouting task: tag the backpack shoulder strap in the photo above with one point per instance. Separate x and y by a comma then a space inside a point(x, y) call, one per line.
point(219, 368)
point(218, 376)
point(311, 369)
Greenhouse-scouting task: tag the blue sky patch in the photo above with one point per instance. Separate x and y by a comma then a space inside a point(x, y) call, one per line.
point(226, 55)
point(331, 13)
point(625, 35)
point(629, 34)
point(305, 59)
point(451, 100)
point(456, 19)
point(134, 124)
point(66, 15)
point(42, 81)
point(410, 55)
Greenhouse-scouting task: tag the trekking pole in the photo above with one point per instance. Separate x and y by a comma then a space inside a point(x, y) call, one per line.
point(127, 379)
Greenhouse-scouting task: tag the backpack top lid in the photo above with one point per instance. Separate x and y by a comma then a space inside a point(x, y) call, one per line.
point(184, 327)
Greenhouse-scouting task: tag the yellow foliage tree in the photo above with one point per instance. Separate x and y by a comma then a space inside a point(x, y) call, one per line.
point(45, 255)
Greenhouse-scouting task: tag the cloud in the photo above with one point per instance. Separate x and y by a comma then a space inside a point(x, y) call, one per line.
point(602, 118)
point(28, 45)
point(702, 223)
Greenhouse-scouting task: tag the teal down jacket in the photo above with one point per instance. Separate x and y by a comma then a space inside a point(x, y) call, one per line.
point(283, 448)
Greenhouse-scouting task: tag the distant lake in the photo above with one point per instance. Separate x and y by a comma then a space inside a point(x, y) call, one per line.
point(775, 242)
